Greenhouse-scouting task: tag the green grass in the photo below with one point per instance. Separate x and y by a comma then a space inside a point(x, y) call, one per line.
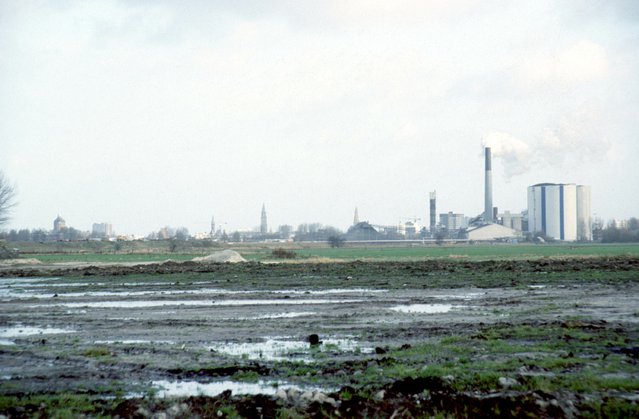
point(471, 252)
point(112, 257)
point(560, 356)
point(91, 252)
point(57, 405)
point(247, 376)
point(97, 352)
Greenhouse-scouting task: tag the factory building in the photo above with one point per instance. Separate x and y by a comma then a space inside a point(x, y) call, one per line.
point(102, 230)
point(452, 221)
point(492, 232)
point(561, 211)
point(510, 220)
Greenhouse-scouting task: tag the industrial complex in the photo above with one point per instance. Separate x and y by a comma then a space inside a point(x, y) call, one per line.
point(556, 211)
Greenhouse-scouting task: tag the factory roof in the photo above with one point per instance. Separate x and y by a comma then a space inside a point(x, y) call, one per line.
point(491, 232)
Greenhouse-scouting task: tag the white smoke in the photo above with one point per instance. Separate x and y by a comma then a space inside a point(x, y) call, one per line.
point(572, 140)
point(515, 154)
point(577, 139)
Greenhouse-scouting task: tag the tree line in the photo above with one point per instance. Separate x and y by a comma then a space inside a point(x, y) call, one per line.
point(615, 232)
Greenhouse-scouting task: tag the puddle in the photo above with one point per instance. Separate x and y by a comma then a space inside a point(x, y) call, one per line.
point(195, 303)
point(25, 281)
point(76, 312)
point(21, 294)
point(64, 284)
point(24, 293)
point(466, 296)
point(6, 342)
point(282, 349)
point(193, 388)
point(330, 291)
point(536, 287)
point(20, 331)
point(133, 342)
point(279, 316)
point(424, 308)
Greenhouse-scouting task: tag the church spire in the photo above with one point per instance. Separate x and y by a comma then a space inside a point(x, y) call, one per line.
point(263, 223)
point(356, 217)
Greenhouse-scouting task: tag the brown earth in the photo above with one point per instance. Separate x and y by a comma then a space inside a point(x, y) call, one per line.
point(108, 329)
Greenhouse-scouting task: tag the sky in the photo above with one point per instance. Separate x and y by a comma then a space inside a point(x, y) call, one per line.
point(153, 113)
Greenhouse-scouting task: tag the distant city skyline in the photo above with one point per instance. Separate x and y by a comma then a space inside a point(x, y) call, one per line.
point(147, 114)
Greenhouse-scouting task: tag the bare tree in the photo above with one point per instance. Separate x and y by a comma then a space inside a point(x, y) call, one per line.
point(7, 195)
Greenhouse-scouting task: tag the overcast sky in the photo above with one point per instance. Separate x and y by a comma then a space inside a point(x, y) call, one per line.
point(154, 113)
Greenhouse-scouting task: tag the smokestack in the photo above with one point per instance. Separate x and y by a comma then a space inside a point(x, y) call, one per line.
point(488, 191)
point(432, 212)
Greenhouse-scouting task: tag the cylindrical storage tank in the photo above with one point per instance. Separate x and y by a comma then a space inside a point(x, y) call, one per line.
point(560, 211)
point(551, 211)
point(568, 214)
point(584, 214)
point(535, 209)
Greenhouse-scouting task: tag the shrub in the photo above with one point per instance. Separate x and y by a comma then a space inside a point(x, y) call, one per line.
point(336, 241)
point(283, 253)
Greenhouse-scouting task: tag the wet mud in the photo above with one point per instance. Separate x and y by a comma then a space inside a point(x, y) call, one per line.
point(188, 339)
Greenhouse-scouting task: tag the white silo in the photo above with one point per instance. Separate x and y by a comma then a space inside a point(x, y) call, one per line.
point(560, 211)
point(584, 217)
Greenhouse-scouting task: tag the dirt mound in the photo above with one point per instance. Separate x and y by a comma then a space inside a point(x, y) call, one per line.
point(16, 262)
point(228, 255)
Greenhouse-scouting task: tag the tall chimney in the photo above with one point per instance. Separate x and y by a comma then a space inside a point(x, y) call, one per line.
point(433, 204)
point(488, 191)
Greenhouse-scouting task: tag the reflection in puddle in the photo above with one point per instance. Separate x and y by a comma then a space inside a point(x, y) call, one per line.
point(76, 312)
point(6, 342)
point(19, 331)
point(133, 342)
point(193, 388)
point(196, 303)
point(330, 291)
point(423, 308)
point(279, 316)
point(16, 281)
point(19, 293)
point(282, 349)
point(466, 296)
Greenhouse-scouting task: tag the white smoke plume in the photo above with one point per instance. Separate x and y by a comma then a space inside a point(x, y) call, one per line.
point(577, 138)
point(572, 140)
point(515, 154)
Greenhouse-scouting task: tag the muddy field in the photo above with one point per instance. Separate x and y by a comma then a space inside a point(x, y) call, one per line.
point(555, 338)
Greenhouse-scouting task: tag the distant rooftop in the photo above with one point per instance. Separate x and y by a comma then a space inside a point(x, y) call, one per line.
point(555, 184)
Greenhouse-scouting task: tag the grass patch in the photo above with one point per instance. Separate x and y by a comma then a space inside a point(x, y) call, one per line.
point(97, 352)
point(58, 405)
point(160, 251)
point(247, 376)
